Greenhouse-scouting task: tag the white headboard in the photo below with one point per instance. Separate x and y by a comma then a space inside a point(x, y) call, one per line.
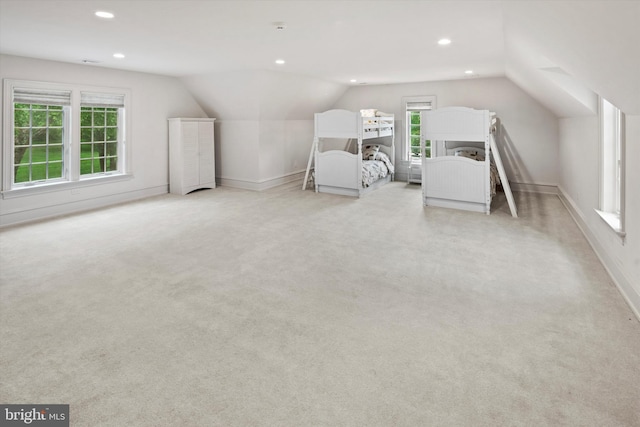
point(337, 124)
point(456, 124)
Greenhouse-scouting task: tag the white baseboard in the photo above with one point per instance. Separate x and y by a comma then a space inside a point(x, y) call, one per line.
point(261, 185)
point(515, 186)
point(533, 188)
point(67, 208)
point(619, 278)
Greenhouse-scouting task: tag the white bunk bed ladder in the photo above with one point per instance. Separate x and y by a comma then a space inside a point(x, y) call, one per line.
point(487, 172)
point(503, 176)
point(311, 156)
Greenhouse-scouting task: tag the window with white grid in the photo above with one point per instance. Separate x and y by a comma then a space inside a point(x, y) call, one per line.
point(413, 106)
point(612, 165)
point(58, 134)
point(39, 134)
point(100, 133)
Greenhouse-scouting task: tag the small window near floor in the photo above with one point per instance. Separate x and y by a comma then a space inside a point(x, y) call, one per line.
point(612, 144)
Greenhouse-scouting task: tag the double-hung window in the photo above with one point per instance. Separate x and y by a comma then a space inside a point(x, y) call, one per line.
point(40, 136)
point(58, 135)
point(612, 143)
point(413, 106)
point(101, 133)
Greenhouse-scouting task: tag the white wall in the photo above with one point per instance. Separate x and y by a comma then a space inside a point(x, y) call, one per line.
point(154, 99)
point(595, 46)
point(237, 148)
point(528, 143)
point(579, 160)
point(265, 122)
point(284, 147)
point(271, 114)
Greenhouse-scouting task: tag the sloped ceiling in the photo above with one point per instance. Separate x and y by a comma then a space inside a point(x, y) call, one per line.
point(262, 95)
point(565, 52)
point(561, 52)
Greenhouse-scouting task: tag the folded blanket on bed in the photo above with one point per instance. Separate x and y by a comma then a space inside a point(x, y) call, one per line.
point(372, 152)
point(373, 170)
point(386, 160)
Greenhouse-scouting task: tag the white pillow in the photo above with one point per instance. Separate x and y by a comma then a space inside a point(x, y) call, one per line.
point(471, 154)
point(467, 153)
point(368, 113)
point(370, 151)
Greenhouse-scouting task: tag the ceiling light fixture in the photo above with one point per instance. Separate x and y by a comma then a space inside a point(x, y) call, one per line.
point(104, 14)
point(469, 72)
point(353, 80)
point(279, 61)
point(444, 42)
point(118, 55)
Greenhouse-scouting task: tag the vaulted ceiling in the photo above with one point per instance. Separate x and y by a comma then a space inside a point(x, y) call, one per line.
point(561, 52)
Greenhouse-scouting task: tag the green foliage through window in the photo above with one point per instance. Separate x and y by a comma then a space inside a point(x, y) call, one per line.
point(60, 133)
point(414, 129)
point(98, 140)
point(38, 150)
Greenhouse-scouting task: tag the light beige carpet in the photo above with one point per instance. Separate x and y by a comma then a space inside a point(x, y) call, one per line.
point(289, 308)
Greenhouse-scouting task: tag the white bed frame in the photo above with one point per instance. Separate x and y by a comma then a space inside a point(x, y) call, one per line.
point(456, 181)
point(340, 171)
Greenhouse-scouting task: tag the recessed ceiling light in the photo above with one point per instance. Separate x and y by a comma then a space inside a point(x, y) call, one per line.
point(118, 55)
point(353, 80)
point(444, 42)
point(279, 61)
point(104, 14)
point(469, 72)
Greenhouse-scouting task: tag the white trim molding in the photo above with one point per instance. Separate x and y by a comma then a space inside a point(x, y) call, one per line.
point(10, 218)
point(524, 187)
point(261, 185)
point(619, 278)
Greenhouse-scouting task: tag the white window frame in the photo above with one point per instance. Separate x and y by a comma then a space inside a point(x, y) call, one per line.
point(71, 175)
point(612, 166)
point(102, 100)
point(406, 104)
point(66, 126)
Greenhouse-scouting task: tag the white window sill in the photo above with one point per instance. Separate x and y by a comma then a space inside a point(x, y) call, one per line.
point(613, 220)
point(63, 186)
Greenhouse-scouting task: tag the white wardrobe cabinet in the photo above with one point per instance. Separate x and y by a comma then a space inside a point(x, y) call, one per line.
point(192, 163)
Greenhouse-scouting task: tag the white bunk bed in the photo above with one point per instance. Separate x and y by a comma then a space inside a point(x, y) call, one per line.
point(352, 171)
point(465, 166)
